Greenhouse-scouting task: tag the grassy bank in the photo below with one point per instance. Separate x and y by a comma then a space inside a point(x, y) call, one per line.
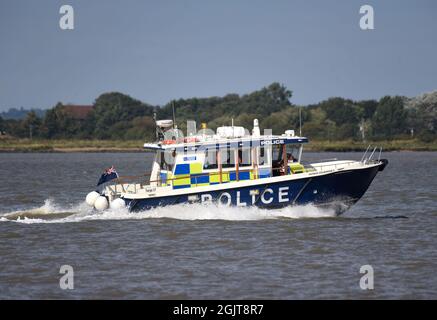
point(394, 145)
point(38, 145)
point(26, 145)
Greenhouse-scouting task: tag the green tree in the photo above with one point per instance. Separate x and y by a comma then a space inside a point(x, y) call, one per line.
point(57, 122)
point(367, 108)
point(141, 128)
point(32, 124)
point(2, 126)
point(112, 108)
point(340, 110)
point(119, 116)
point(220, 110)
point(390, 118)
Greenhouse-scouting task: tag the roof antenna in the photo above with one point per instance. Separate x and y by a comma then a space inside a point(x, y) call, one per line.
point(174, 116)
point(300, 121)
point(175, 127)
point(156, 126)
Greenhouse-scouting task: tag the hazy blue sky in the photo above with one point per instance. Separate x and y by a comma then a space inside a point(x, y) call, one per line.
point(160, 50)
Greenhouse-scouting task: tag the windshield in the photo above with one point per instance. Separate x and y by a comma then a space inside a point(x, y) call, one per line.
point(166, 160)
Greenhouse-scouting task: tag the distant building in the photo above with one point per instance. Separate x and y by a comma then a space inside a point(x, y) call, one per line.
point(78, 112)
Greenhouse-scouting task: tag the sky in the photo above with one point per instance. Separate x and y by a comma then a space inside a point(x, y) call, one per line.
point(161, 50)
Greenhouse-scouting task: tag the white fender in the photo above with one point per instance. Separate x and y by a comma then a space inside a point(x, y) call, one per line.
point(101, 203)
point(91, 198)
point(117, 204)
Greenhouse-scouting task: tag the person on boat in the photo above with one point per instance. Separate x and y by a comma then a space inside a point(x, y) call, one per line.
point(290, 158)
point(282, 167)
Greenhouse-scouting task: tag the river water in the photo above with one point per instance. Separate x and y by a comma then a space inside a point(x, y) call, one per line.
point(205, 252)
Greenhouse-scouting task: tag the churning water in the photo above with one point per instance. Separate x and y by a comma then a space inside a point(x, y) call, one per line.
point(205, 251)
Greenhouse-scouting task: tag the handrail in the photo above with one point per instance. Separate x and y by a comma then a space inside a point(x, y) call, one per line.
point(364, 155)
point(374, 149)
point(330, 159)
point(336, 166)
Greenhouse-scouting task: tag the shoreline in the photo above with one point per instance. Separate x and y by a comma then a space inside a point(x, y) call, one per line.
point(107, 146)
point(72, 150)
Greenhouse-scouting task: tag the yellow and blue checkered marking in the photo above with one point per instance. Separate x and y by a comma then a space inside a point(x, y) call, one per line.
point(245, 175)
point(189, 175)
point(185, 175)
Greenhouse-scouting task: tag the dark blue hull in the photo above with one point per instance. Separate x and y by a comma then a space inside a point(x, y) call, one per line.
point(336, 190)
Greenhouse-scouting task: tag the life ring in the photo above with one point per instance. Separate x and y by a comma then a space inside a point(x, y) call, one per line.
point(190, 139)
point(168, 141)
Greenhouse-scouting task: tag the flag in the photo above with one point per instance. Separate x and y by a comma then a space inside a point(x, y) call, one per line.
point(108, 175)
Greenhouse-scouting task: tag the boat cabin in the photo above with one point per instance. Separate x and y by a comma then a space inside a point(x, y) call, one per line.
point(230, 155)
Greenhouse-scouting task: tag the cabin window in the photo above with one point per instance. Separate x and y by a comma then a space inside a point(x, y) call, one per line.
point(210, 159)
point(277, 152)
point(263, 153)
point(277, 160)
point(166, 160)
point(227, 158)
point(293, 152)
point(244, 157)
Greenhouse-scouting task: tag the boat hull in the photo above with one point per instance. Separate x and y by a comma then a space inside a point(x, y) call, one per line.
point(336, 190)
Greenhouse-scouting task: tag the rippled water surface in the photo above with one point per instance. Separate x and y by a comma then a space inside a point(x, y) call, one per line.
point(205, 252)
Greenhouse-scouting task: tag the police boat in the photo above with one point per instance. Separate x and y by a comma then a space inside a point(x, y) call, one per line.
point(233, 167)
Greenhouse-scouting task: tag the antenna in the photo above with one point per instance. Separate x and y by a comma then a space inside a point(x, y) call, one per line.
point(300, 121)
point(156, 126)
point(174, 115)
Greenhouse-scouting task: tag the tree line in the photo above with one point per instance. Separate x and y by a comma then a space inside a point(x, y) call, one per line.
point(118, 116)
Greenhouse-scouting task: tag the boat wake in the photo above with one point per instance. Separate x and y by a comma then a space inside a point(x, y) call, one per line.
point(50, 212)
